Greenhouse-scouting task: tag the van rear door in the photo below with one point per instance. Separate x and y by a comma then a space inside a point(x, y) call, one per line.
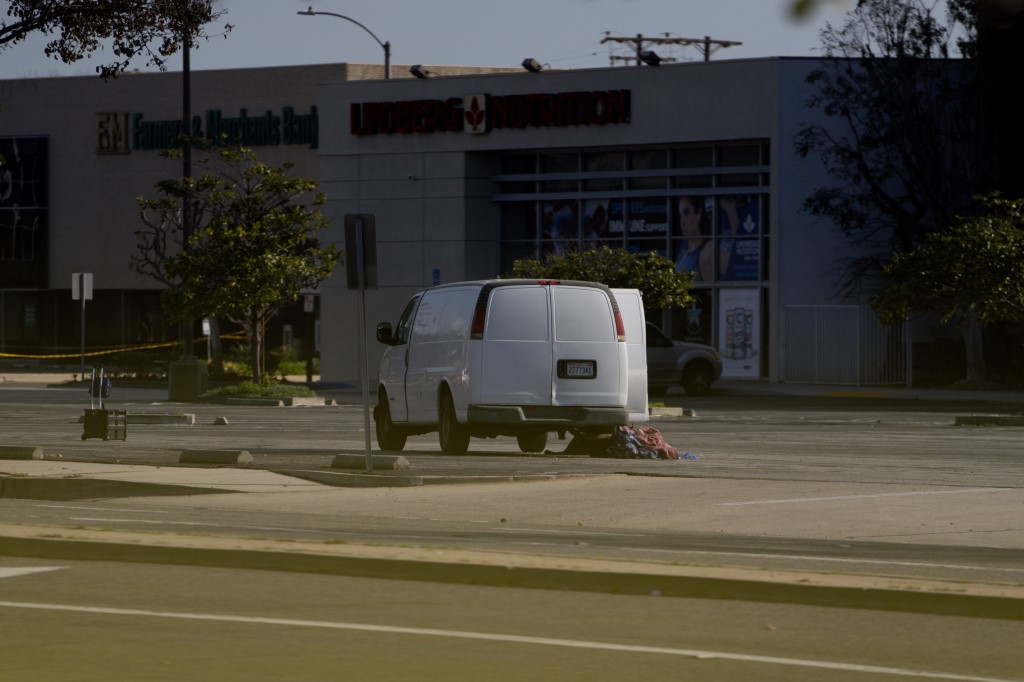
point(515, 356)
point(588, 358)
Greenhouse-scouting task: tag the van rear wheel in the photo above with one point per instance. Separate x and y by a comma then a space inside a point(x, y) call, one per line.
point(453, 436)
point(532, 442)
point(389, 436)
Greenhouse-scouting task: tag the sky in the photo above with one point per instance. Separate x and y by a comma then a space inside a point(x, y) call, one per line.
point(561, 34)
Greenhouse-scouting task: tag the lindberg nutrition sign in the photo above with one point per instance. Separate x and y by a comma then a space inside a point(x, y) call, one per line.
point(482, 113)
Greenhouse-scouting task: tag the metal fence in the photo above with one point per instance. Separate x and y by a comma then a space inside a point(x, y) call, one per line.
point(843, 344)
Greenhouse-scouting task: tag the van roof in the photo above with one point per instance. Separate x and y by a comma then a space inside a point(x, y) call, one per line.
point(519, 282)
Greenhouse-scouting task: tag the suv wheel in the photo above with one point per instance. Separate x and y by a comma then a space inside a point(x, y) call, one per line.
point(697, 378)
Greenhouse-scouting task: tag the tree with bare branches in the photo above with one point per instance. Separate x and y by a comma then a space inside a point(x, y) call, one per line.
point(152, 29)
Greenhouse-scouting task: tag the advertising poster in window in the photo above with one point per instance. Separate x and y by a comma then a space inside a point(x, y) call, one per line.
point(691, 244)
point(739, 245)
point(694, 322)
point(597, 230)
point(648, 225)
point(739, 332)
point(560, 226)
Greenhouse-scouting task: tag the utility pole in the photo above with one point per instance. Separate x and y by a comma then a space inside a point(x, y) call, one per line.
point(639, 43)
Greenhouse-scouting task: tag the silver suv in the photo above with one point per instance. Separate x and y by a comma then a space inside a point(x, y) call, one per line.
point(694, 366)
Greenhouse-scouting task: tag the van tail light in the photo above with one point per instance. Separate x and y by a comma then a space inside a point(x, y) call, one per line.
point(547, 281)
point(477, 330)
point(620, 328)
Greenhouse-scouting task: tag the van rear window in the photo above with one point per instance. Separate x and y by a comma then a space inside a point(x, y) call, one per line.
point(583, 314)
point(518, 314)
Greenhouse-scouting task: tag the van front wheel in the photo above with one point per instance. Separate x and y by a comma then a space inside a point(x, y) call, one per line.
point(453, 436)
point(389, 436)
point(532, 442)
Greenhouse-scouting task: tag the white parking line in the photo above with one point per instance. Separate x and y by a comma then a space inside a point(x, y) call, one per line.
point(859, 497)
point(516, 639)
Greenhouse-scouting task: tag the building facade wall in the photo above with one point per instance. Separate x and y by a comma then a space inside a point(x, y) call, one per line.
point(441, 198)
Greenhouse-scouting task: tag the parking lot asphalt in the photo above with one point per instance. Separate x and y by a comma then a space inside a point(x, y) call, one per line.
point(269, 449)
point(255, 447)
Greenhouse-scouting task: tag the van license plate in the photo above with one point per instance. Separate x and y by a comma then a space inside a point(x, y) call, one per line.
point(579, 369)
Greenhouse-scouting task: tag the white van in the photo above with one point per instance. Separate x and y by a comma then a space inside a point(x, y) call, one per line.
point(508, 357)
point(631, 307)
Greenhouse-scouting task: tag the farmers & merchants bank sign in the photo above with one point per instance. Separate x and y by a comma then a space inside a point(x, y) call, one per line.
point(120, 132)
point(482, 113)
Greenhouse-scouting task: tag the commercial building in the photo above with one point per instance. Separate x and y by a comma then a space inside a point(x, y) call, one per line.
point(464, 173)
point(696, 161)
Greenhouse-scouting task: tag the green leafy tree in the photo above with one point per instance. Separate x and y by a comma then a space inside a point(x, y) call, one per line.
point(971, 274)
point(654, 275)
point(153, 29)
point(901, 139)
point(254, 246)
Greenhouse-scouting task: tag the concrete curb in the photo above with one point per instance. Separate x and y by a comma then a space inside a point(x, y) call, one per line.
point(215, 457)
point(188, 418)
point(989, 420)
point(469, 567)
point(20, 452)
point(270, 402)
point(392, 462)
point(340, 479)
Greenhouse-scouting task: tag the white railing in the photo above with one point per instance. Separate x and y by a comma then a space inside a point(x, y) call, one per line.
point(843, 344)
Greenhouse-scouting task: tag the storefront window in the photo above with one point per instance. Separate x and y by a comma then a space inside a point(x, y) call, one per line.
point(24, 212)
point(519, 221)
point(693, 157)
point(648, 160)
point(739, 155)
point(560, 162)
point(603, 162)
point(518, 164)
point(513, 251)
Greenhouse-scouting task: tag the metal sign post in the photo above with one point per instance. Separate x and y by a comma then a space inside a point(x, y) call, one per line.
point(361, 247)
point(81, 289)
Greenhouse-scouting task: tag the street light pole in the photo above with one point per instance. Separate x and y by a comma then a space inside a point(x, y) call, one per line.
point(384, 44)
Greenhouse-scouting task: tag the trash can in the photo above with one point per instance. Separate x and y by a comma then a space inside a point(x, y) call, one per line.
point(103, 423)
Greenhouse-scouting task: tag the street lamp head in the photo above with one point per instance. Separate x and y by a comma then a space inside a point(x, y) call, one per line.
point(308, 13)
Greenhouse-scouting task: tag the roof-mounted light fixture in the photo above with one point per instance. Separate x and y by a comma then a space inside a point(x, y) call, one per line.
point(532, 65)
point(650, 57)
point(418, 71)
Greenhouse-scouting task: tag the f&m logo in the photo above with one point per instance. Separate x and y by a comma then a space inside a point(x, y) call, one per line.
point(112, 132)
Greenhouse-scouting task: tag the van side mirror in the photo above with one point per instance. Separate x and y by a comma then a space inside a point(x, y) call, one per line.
point(384, 333)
